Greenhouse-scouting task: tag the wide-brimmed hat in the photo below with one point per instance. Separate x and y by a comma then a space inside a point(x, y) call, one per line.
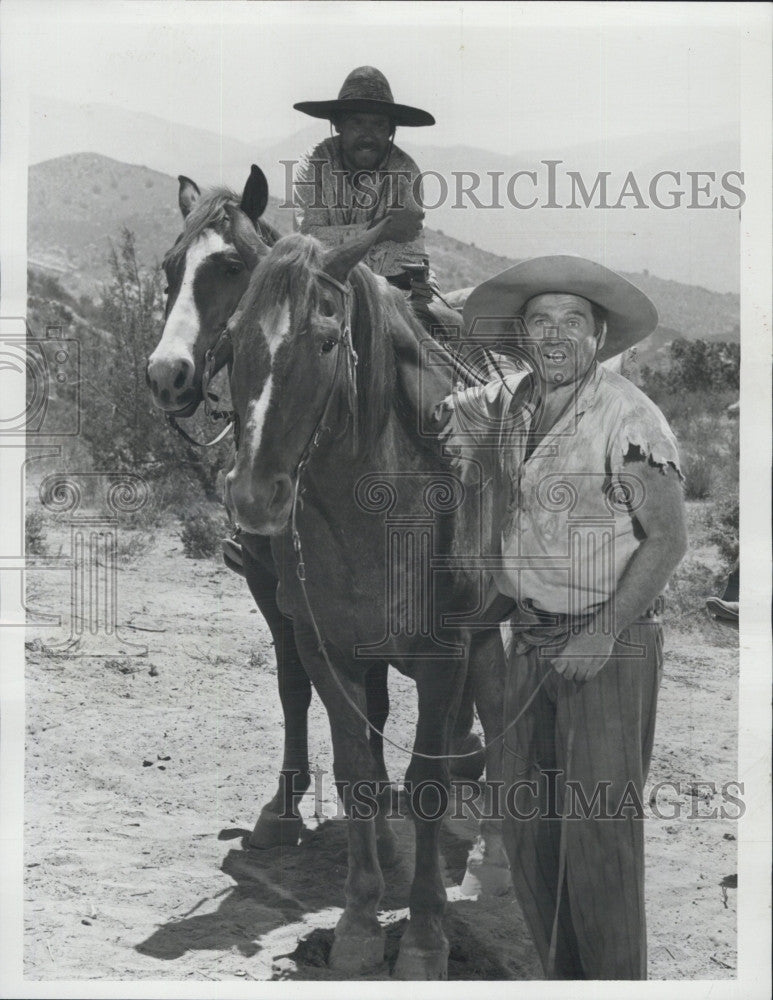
point(631, 315)
point(366, 90)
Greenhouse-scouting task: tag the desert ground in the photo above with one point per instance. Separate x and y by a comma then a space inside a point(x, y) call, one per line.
point(145, 770)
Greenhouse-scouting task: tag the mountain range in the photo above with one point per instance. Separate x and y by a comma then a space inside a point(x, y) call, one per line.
point(79, 203)
point(697, 247)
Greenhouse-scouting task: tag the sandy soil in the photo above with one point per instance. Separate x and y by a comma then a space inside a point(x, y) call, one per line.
point(144, 773)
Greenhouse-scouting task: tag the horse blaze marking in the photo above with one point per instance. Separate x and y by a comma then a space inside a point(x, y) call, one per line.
point(278, 325)
point(257, 417)
point(182, 326)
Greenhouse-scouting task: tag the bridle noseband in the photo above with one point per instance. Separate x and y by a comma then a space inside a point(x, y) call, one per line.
point(219, 354)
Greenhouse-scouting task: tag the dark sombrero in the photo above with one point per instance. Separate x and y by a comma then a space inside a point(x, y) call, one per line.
point(631, 315)
point(366, 91)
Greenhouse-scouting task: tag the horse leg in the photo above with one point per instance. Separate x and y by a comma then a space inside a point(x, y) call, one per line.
point(424, 947)
point(469, 758)
point(377, 696)
point(280, 822)
point(488, 870)
point(358, 945)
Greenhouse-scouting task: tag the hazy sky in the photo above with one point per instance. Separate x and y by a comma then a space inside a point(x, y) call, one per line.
point(497, 76)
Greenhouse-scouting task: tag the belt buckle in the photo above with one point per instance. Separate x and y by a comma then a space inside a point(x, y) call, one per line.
point(657, 608)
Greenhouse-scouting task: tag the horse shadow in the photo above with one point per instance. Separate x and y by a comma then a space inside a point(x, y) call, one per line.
point(273, 888)
point(282, 886)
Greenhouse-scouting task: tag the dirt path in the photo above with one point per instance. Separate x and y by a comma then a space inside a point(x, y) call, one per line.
point(143, 774)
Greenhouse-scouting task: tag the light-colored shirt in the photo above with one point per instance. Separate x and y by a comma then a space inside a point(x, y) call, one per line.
point(568, 512)
point(329, 207)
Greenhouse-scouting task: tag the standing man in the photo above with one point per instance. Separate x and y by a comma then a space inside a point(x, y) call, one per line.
point(353, 179)
point(586, 472)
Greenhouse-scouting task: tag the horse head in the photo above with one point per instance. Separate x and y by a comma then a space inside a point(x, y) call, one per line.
point(309, 363)
point(207, 271)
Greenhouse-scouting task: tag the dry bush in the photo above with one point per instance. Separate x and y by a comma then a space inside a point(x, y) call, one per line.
point(132, 544)
point(35, 533)
point(698, 476)
point(201, 534)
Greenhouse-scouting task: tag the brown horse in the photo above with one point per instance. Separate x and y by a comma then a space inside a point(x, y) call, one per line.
point(339, 462)
point(207, 271)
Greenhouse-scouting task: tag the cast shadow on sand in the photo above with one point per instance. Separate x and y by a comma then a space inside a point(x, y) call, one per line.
point(302, 889)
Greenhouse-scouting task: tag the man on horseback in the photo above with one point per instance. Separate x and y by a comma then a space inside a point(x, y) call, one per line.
point(591, 526)
point(352, 180)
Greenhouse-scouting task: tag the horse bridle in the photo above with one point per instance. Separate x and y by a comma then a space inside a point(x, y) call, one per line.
point(218, 355)
point(350, 360)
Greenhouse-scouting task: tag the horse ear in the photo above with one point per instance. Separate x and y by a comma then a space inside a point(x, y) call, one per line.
point(246, 240)
point(188, 195)
point(255, 195)
point(339, 261)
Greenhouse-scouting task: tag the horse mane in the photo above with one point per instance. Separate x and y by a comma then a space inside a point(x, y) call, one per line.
point(290, 273)
point(209, 212)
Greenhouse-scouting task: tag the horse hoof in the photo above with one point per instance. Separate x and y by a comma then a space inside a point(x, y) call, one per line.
point(421, 964)
point(486, 880)
point(472, 767)
point(272, 830)
point(355, 956)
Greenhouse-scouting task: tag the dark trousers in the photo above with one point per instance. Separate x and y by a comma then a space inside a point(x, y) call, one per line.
point(601, 931)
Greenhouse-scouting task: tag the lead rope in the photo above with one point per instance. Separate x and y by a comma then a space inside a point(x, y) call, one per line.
point(301, 574)
point(345, 341)
point(191, 440)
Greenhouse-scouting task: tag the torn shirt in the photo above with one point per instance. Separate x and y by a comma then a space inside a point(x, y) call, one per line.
point(568, 512)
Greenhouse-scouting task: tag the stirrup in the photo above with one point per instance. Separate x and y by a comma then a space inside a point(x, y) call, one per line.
point(233, 555)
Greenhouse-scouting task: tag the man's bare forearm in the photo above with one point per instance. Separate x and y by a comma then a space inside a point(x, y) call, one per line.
point(645, 578)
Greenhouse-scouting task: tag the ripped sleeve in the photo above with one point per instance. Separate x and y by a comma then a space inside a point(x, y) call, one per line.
point(648, 436)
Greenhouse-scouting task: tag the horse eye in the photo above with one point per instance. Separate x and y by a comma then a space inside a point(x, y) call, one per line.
point(166, 290)
point(327, 308)
point(328, 345)
point(234, 268)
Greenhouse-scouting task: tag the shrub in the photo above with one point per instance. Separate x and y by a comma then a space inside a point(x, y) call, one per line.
point(201, 534)
point(698, 475)
point(122, 426)
point(133, 544)
point(35, 533)
point(723, 525)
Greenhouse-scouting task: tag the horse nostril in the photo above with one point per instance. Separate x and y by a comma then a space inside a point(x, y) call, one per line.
point(181, 377)
point(280, 492)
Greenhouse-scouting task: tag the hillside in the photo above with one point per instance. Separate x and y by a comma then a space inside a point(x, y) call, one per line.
point(679, 243)
point(78, 203)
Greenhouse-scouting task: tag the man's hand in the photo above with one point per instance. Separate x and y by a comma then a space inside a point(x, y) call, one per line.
point(583, 656)
point(402, 225)
point(451, 435)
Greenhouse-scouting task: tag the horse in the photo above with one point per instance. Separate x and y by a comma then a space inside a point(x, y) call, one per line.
point(207, 271)
point(333, 399)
